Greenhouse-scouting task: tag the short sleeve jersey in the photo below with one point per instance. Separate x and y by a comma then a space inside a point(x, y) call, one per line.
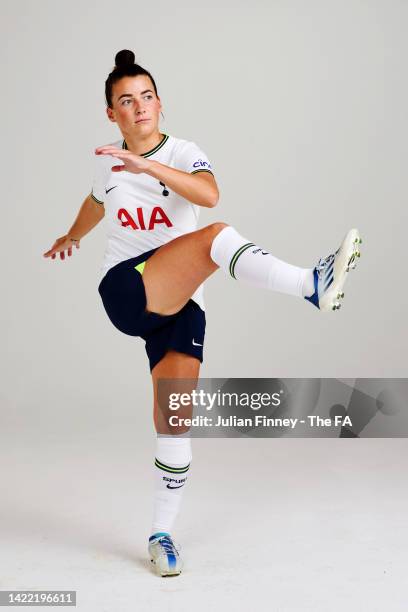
point(142, 213)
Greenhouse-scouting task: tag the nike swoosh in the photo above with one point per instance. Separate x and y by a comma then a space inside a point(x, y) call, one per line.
point(265, 253)
point(110, 189)
point(169, 487)
point(196, 343)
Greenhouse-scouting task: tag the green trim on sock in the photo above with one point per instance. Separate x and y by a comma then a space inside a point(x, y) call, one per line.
point(236, 256)
point(173, 470)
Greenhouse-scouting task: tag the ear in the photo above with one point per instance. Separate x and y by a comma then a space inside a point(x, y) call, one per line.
point(111, 114)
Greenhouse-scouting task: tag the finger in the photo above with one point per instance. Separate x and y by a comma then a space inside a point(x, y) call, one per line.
point(119, 154)
point(77, 245)
point(107, 146)
point(106, 150)
point(62, 255)
point(69, 251)
point(53, 256)
point(117, 168)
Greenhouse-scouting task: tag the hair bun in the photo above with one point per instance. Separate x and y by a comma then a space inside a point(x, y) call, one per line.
point(124, 58)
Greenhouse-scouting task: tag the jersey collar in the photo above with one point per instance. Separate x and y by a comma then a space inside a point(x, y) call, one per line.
point(152, 151)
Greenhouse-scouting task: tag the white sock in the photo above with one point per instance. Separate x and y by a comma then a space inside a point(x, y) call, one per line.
point(248, 262)
point(173, 456)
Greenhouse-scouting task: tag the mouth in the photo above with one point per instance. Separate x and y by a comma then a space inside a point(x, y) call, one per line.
point(142, 120)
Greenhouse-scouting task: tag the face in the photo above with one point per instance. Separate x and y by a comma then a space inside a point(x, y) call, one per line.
point(136, 108)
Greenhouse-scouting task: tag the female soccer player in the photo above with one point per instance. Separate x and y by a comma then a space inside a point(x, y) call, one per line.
point(156, 262)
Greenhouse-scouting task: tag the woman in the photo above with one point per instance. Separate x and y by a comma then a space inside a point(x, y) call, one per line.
point(156, 262)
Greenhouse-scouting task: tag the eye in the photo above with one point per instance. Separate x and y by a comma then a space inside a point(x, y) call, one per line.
point(127, 100)
point(148, 97)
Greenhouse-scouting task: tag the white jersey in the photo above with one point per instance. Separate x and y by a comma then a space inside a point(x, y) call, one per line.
point(141, 213)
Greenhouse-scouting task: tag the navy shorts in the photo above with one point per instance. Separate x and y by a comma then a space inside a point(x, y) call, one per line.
point(124, 299)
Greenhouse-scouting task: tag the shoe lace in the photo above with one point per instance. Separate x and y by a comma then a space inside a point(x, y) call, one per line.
point(168, 545)
point(323, 263)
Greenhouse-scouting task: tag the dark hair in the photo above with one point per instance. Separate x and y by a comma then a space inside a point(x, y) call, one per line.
point(124, 66)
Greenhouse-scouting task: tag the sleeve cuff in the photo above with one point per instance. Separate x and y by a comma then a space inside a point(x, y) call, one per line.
point(204, 170)
point(96, 199)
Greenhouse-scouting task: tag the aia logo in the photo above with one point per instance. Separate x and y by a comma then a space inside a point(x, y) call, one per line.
point(157, 216)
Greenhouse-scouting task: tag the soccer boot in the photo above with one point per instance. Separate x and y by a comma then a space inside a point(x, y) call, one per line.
point(164, 555)
point(330, 274)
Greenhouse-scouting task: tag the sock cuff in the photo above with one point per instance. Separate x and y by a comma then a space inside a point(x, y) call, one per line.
point(174, 452)
point(225, 244)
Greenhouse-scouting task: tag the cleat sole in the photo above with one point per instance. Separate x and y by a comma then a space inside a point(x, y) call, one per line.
point(164, 574)
point(346, 261)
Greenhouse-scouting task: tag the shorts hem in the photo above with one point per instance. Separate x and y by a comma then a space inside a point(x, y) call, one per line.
point(153, 362)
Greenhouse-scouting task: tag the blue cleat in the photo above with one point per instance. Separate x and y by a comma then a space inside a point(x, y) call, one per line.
point(164, 555)
point(330, 274)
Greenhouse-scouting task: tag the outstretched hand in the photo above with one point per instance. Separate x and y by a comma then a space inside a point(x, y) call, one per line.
point(60, 246)
point(131, 162)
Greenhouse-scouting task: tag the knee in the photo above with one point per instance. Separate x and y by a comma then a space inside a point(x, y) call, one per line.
point(215, 228)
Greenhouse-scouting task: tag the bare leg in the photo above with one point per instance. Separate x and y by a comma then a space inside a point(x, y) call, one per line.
point(174, 365)
point(178, 268)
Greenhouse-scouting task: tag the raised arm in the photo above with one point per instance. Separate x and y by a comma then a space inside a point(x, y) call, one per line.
point(89, 215)
point(200, 188)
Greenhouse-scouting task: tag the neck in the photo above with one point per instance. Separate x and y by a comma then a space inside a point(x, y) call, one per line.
point(140, 145)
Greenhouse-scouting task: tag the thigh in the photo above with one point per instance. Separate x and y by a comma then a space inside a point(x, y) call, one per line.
point(173, 366)
point(178, 268)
